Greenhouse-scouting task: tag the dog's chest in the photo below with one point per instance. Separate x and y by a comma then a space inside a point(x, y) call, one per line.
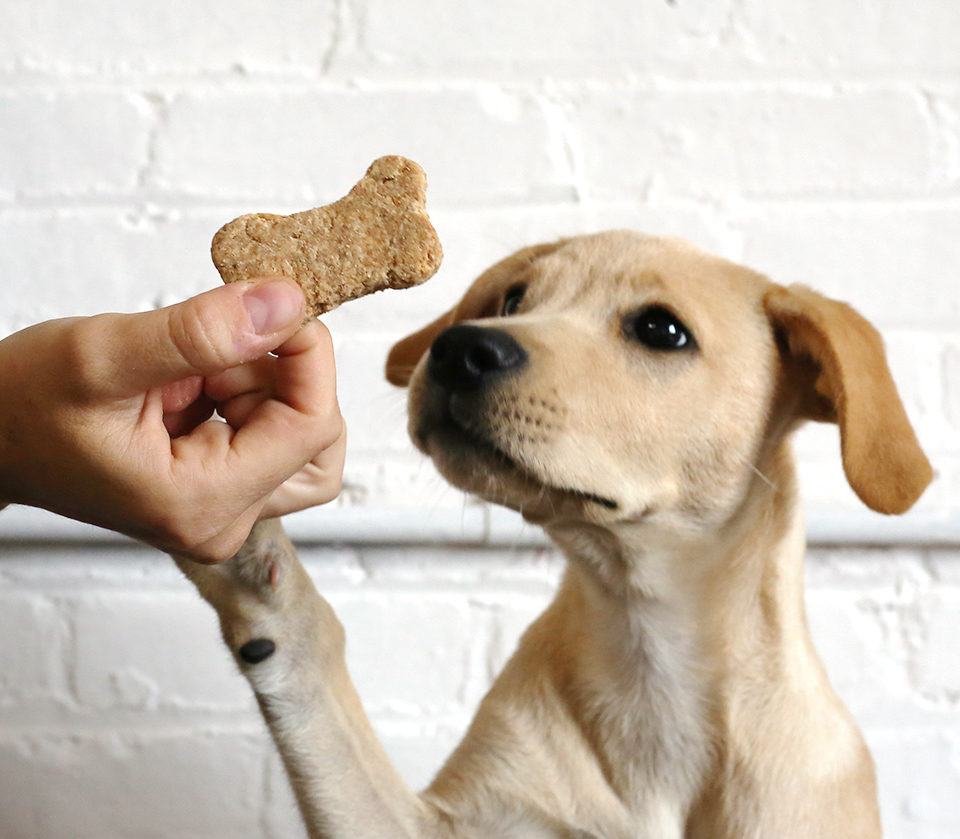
point(649, 716)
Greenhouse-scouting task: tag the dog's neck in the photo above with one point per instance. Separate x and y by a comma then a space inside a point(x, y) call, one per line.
point(652, 560)
point(677, 626)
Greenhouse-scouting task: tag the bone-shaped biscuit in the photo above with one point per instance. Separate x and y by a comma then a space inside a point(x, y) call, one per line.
point(377, 236)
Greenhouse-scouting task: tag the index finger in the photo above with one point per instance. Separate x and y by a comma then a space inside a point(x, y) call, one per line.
point(305, 372)
point(298, 422)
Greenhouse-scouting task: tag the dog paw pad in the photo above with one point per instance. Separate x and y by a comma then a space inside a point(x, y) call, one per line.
point(257, 650)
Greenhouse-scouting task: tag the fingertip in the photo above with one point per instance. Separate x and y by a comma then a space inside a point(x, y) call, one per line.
point(274, 305)
point(313, 334)
point(180, 394)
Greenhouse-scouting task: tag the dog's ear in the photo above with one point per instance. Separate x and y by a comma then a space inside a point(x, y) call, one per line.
point(403, 357)
point(482, 300)
point(836, 360)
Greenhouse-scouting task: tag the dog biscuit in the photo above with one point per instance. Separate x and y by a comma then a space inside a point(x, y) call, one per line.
point(377, 236)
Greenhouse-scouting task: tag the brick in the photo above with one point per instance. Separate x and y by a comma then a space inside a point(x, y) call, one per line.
point(823, 483)
point(915, 358)
point(860, 643)
point(483, 573)
point(409, 653)
point(943, 567)
point(149, 651)
point(850, 252)
point(848, 36)
point(950, 372)
point(182, 783)
point(943, 106)
point(268, 145)
point(329, 565)
point(876, 573)
point(56, 262)
point(171, 37)
point(936, 661)
point(419, 749)
point(32, 656)
point(819, 442)
point(375, 410)
point(758, 143)
point(508, 39)
point(58, 570)
point(402, 480)
point(918, 775)
point(67, 143)
point(513, 613)
point(688, 41)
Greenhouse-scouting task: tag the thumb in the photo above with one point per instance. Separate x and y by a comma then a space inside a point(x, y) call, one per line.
point(205, 335)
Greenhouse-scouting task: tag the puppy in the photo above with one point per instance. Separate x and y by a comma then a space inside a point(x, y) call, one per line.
point(635, 397)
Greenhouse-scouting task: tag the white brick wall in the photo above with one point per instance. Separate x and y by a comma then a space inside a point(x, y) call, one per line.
point(817, 141)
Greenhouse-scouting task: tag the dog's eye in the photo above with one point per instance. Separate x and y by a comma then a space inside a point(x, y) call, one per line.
point(659, 329)
point(511, 300)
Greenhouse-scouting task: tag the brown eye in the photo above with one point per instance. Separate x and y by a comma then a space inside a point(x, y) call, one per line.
point(659, 329)
point(511, 300)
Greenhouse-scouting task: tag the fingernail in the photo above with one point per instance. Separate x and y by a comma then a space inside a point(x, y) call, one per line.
point(273, 306)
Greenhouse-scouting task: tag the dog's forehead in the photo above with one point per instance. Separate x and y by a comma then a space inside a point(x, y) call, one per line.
point(643, 268)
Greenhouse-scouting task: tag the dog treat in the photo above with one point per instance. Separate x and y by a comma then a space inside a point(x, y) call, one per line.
point(377, 236)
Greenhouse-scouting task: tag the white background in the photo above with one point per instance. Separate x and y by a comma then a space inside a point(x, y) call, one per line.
point(818, 142)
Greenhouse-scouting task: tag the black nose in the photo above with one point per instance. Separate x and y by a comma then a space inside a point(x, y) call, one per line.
point(467, 357)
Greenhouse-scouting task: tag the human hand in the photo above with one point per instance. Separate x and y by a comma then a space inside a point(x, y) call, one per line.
point(108, 419)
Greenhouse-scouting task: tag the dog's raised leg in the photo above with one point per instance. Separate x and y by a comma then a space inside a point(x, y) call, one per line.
point(289, 644)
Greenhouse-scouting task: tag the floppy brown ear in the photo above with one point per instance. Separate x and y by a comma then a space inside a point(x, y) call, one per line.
point(849, 383)
point(405, 354)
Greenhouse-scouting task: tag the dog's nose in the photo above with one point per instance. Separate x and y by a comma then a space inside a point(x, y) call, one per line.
point(467, 357)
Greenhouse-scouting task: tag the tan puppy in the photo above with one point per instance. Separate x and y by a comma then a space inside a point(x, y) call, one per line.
point(634, 396)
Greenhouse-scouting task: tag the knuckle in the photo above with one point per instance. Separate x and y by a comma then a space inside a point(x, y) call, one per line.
point(82, 352)
point(328, 483)
point(331, 489)
point(197, 333)
point(330, 430)
point(318, 430)
point(222, 546)
point(186, 533)
point(205, 553)
point(214, 554)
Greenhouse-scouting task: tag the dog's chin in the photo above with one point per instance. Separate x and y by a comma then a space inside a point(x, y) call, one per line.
point(480, 467)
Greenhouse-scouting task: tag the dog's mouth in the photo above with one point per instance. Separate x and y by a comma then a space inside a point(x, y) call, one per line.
point(451, 434)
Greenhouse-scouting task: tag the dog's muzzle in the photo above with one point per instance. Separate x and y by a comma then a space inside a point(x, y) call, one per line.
point(468, 358)
point(465, 363)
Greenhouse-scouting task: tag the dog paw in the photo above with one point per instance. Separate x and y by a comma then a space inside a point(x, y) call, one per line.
point(267, 604)
point(264, 559)
point(256, 571)
point(253, 590)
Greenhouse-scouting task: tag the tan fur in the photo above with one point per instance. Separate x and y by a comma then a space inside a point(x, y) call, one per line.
point(671, 689)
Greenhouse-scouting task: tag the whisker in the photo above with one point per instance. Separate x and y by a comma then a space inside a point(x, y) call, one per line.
point(763, 477)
